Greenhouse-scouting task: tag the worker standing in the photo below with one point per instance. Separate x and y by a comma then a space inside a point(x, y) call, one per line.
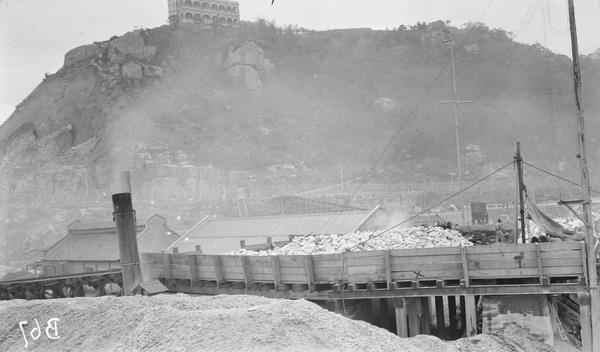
point(500, 233)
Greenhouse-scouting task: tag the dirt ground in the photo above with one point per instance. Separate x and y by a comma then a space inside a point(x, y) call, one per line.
point(216, 323)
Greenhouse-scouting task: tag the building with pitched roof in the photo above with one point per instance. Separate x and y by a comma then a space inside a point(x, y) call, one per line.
point(220, 235)
point(95, 246)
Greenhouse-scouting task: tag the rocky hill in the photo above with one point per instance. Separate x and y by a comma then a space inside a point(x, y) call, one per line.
point(193, 112)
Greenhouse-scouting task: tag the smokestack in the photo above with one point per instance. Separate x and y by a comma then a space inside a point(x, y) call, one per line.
point(124, 217)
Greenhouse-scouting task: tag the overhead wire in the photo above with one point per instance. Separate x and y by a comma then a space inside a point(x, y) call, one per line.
point(557, 176)
point(432, 207)
point(403, 124)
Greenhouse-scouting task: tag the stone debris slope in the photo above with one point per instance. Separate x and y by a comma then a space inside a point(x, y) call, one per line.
point(216, 323)
point(415, 237)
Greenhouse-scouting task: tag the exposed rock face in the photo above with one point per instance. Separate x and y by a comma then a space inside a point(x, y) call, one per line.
point(130, 45)
point(247, 76)
point(131, 70)
point(153, 71)
point(80, 54)
point(247, 63)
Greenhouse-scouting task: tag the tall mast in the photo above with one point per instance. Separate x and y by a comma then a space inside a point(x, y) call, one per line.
point(591, 342)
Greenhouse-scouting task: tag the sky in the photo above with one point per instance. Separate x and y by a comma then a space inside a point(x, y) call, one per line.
point(36, 34)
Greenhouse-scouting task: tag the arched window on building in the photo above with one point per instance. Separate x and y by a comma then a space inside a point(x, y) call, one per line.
point(197, 18)
point(229, 21)
point(188, 3)
point(196, 3)
point(223, 20)
point(235, 21)
point(205, 18)
point(214, 7)
point(228, 8)
point(206, 5)
point(222, 8)
point(235, 9)
point(189, 16)
point(215, 19)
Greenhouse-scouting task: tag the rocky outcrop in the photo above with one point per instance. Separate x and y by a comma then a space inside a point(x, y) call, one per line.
point(131, 45)
point(246, 63)
point(80, 54)
point(152, 71)
point(131, 70)
point(247, 76)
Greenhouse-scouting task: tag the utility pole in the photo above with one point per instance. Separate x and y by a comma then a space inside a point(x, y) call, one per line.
point(589, 302)
point(448, 40)
point(520, 190)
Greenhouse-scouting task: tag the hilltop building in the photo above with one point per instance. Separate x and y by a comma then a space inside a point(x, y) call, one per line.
point(212, 11)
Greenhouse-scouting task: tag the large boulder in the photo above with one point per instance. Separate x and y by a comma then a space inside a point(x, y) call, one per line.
point(248, 54)
point(153, 71)
point(247, 76)
point(131, 45)
point(131, 70)
point(80, 54)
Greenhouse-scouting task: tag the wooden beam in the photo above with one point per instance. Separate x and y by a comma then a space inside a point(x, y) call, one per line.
point(276, 270)
point(452, 316)
point(470, 308)
point(388, 269)
point(439, 317)
point(539, 263)
point(247, 273)
point(193, 269)
point(218, 269)
point(586, 322)
point(167, 264)
point(401, 326)
point(310, 272)
point(473, 290)
point(463, 255)
point(425, 316)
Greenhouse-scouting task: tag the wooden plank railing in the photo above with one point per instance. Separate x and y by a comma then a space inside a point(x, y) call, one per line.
point(466, 264)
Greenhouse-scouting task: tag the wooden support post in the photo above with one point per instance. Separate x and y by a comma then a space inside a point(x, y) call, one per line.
point(463, 255)
point(383, 309)
point(310, 272)
point(167, 264)
point(463, 314)
point(401, 326)
point(242, 244)
point(375, 312)
point(539, 263)
point(425, 316)
point(391, 311)
point(439, 317)
point(218, 270)
point(452, 316)
point(586, 322)
point(247, 273)
point(193, 270)
point(470, 309)
point(276, 271)
point(388, 269)
point(413, 308)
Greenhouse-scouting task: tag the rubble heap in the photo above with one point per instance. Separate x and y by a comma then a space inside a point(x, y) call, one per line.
point(409, 238)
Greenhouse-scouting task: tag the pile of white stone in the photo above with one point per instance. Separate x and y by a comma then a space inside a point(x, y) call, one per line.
point(415, 237)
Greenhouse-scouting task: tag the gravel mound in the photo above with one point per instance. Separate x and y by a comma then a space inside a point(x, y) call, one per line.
point(215, 323)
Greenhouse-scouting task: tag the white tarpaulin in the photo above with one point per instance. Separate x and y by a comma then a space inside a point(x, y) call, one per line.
point(549, 226)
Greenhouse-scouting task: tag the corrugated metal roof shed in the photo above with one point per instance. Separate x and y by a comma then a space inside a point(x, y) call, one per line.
point(86, 247)
point(217, 236)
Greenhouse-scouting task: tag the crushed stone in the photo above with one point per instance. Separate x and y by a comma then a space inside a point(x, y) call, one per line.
point(217, 323)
